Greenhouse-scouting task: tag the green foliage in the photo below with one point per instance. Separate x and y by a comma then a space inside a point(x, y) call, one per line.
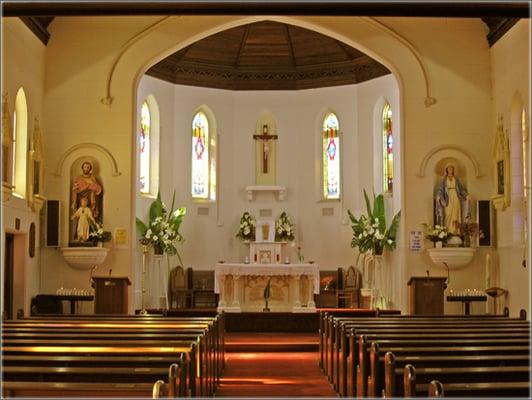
point(370, 234)
point(162, 229)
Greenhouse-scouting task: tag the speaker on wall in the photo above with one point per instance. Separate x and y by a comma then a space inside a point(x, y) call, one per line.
point(485, 222)
point(52, 223)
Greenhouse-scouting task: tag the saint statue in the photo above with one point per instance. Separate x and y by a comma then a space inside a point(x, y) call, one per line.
point(86, 192)
point(452, 201)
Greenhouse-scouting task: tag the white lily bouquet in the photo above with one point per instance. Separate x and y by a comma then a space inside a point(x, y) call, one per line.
point(436, 233)
point(97, 234)
point(284, 228)
point(246, 230)
point(162, 229)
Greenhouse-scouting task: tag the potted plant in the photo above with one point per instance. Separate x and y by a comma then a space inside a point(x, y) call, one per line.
point(162, 230)
point(246, 230)
point(437, 234)
point(370, 234)
point(284, 228)
point(98, 235)
point(468, 231)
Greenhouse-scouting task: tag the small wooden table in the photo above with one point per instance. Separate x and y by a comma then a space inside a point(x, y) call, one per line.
point(73, 298)
point(466, 300)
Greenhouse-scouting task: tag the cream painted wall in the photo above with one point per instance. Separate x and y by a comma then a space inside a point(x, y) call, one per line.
point(23, 65)
point(91, 58)
point(298, 114)
point(510, 59)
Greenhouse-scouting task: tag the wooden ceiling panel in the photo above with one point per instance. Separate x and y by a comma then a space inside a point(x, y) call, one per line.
point(268, 56)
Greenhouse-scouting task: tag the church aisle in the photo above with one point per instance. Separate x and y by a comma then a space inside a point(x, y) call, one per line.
point(267, 370)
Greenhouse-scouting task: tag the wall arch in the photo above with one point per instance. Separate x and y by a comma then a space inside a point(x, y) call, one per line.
point(367, 36)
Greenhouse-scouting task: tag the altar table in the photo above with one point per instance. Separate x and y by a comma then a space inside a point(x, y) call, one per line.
point(241, 287)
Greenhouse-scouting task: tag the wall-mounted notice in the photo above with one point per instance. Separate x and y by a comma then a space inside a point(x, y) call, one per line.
point(416, 241)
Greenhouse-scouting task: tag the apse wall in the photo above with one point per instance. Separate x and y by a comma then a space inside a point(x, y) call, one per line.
point(322, 228)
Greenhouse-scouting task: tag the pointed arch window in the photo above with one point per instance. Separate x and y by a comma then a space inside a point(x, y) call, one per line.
point(203, 158)
point(387, 149)
point(145, 147)
point(20, 144)
point(331, 157)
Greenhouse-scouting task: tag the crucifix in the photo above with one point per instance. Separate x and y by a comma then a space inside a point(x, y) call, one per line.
point(265, 137)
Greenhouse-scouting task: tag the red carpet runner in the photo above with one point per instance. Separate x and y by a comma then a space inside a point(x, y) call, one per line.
point(273, 365)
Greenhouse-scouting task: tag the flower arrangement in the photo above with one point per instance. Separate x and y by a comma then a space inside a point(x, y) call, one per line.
point(468, 230)
point(300, 256)
point(97, 234)
point(436, 233)
point(284, 228)
point(370, 234)
point(162, 229)
point(246, 231)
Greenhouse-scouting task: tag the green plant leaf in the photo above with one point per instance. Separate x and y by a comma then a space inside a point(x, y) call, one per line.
point(141, 226)
point(156, 208)
point(378, 211)
point(368, 204)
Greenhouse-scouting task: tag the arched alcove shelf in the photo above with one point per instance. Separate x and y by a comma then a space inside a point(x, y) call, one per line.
point(112, 161)
point(453, 149)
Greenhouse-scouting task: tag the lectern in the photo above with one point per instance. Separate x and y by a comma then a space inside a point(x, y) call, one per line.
point(111, 294)
point(425, 295)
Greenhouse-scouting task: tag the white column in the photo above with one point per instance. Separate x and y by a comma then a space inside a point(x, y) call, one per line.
point(222, 301)
point(311, 304)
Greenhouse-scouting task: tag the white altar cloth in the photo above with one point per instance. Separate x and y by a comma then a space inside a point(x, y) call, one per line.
point(240, 287)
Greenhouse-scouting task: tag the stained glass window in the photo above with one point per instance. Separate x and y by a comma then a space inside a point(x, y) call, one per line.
point(387, 149)
point(331, 157)
point(20, 144)
point(203, 159)
point(144, 147)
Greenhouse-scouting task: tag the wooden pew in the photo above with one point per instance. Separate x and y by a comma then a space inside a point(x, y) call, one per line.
point(213, 362)
point(92, 360)
point(341, 346)
point(347, 376)
point(214, 341)
point(411, 378)
point(444, 346)
point(477, 389)
point(333, 327)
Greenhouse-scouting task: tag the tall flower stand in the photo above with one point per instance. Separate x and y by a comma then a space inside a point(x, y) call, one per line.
point(159, 283)
point(145, 250)
point(376, 292)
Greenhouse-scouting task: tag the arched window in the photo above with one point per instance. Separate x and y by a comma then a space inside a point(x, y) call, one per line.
point(148, 147)
point(387, 149)
point(331, 157)
point(145, 148)
point(203, 158)
point(20, 144)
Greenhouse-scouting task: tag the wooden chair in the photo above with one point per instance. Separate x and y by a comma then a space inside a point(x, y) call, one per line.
point(178, 290)
point(349, 296)
point(330, 281)
point(203, 289)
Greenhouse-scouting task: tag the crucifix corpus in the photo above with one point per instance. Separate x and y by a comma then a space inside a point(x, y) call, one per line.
point(265, 137)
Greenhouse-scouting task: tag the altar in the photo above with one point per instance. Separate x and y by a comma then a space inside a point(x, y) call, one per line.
point(241, 287)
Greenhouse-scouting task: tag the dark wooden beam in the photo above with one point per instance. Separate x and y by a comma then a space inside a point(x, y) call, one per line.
point(509, 9)
point(37, 27)
point(498, 29)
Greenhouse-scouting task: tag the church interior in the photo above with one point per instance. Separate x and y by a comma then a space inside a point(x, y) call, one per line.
point(288, 199)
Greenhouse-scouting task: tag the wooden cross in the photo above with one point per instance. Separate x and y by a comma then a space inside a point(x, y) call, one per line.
point(265, 137)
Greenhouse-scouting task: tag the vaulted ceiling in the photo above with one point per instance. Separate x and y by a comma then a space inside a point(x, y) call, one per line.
point(267, 56)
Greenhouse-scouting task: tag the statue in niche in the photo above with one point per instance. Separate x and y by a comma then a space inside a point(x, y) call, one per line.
point(452, 201)
point(86, 188)
point(84, 216)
